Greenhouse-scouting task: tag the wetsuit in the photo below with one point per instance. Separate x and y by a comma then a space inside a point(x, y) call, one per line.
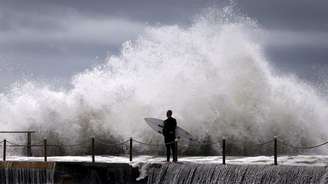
point(170, 124)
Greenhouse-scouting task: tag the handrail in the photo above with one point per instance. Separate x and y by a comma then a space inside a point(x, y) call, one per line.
point(5, 143)
point(17, 132)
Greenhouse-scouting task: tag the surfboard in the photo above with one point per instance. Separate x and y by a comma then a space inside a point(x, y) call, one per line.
point(158, 124)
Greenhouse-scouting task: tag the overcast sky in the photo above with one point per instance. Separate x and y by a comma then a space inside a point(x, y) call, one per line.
point(54, 39)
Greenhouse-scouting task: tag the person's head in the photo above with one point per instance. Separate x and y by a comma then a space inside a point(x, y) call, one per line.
point(169, 113)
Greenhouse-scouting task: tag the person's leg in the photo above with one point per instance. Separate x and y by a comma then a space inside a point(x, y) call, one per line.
point(174, 152)
point(168, 152)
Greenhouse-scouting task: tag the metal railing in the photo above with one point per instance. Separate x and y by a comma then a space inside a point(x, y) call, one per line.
point(28, 138)
point(130, 142)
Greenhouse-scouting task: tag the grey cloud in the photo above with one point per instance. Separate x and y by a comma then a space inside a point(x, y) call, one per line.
point(55, 38)
point(310, 63)
point(301, 53)
point(76, 29)
point(144, 10)
point(286, 38)
point(50, 45)
point(288, 14)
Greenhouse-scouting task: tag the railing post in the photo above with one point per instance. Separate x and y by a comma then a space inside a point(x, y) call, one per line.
point(4, 149)
point(131, 146)
point(223, 151)
point(93, 149)
point(275, 149)
point(28, 146)
point(45, 150)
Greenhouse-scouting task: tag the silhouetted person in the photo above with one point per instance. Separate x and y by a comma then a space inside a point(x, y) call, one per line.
point(170, 124)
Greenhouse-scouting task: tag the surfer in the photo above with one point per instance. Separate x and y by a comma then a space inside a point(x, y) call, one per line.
point(170, 124)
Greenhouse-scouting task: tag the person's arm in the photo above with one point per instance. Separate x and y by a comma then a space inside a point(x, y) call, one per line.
point(175, 127)
point(164, 128)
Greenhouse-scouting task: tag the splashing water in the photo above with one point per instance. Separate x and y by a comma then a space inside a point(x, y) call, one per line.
point(212, 74)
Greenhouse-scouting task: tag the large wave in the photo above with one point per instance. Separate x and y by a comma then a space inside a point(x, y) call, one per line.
point(213, 74)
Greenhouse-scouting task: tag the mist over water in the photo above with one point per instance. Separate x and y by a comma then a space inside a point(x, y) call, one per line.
point(213, 74)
